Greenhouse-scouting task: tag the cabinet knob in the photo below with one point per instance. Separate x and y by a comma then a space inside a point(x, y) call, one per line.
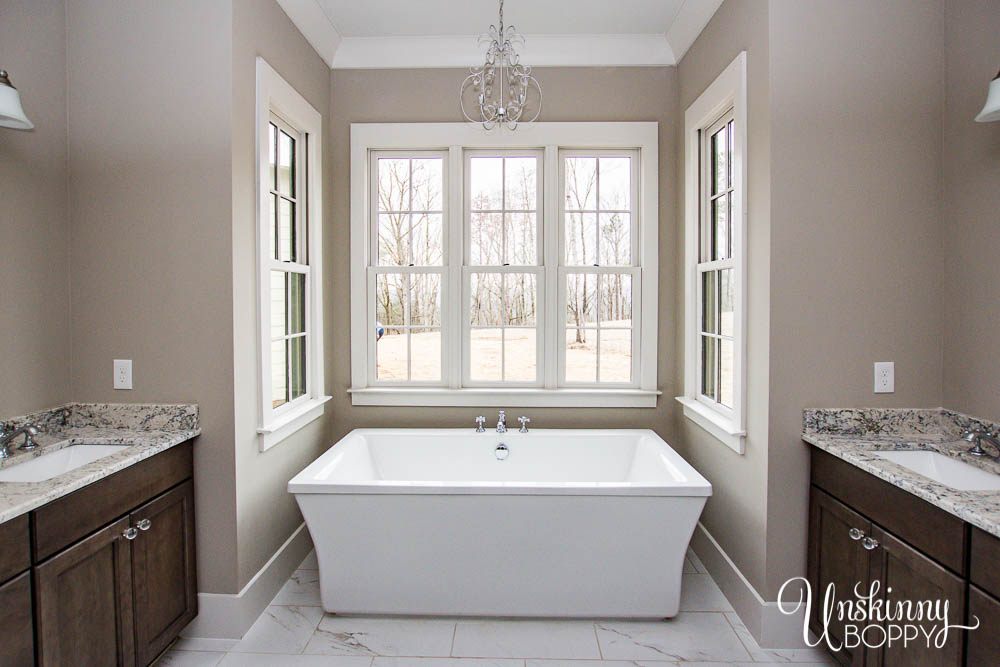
point(855, 534)
point(869, 543)
point(144, 524)
point(130, 533)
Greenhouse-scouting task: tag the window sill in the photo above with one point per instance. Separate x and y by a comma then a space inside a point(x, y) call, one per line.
point(489, 397)
point(721, 428)
point(277, 430)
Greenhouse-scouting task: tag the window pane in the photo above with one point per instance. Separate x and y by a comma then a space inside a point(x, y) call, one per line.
point(616, 239)
point(616, 355)
point(708, 307)
point(521, 180)
point(297, 367)
point(272, 154)
point(729, 162)
point(520, 238)
point(709, 366)
point(487, 239)
point(273, 218)
point(581, 183)
point(286, 164)
point(581, 239)
point(520, 358)
point(279, 375)
point(486, 183)
point(727, 299)
point(581, 297)
point(720, 168)
point(394, 239)
point(616, 300)
point(425, 352)
point(581, 355)
point(390, 355)
point(286, 231)
point(720, 227)
point(393, 184)
point(616, 183)
point(519, 299)
point(726, 372)
point(485, 350)
point(428, 182)
point(296, 302)
point(425, 299)
point(486, 305)
point(390, 301)
point(427, 239)
point(278, 300)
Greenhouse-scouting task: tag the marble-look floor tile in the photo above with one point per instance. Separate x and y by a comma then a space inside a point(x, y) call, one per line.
point(688, 636)
point(204, 644)
point(805, 654)
point(446, 662)
point(310, 562)
point(280, 630)
point(599, 663)
point(345, 635)
point(699, 592)
point(293, 660)
point(526, 639)
point(735, 664)
point(699, 567)
point(189, 659)
point(302, 589)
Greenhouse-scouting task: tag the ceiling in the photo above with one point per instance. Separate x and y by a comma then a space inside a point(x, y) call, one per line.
point(443, 33)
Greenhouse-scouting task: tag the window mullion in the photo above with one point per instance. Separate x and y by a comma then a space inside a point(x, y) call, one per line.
point(456, 217)
point(552, 326)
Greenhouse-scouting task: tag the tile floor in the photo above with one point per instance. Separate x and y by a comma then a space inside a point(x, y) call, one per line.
point(294, 632)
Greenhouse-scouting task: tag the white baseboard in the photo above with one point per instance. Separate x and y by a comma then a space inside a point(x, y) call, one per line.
point(228, 616)
point(766, 623)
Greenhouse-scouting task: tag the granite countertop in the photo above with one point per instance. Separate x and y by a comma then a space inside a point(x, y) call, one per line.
point(147, 429)
point(854, 434)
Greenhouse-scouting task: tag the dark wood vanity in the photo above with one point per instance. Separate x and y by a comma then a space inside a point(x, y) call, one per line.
point(864, 529)
point(104, 575)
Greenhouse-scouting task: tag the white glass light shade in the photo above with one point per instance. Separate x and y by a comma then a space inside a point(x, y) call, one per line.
point(991, 111)
point(11, 113)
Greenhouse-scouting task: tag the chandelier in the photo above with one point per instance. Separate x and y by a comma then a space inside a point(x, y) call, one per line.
point(501, 85)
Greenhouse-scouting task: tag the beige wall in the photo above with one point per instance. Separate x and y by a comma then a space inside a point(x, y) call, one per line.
point(571, 94)
point(149, 134)
point(970, 218)
point(735, 515)
point(266, 514)
point(34, 223)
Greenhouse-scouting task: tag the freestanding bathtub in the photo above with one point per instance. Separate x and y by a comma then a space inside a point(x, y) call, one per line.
point(557, 523)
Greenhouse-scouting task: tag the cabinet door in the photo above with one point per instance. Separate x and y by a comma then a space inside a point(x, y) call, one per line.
point(164, 570)
point(835, 557)
point(83, 602)
point(984, 643)
point(17, 641)
point(903, 574)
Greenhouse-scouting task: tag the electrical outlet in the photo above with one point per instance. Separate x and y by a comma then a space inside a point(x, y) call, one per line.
point(885, 377)
point(123, 373)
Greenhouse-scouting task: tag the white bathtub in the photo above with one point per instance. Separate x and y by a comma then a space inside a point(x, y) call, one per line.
point(572, 523)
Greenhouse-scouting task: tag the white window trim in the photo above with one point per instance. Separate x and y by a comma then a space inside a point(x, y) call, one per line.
point(728, 91)
point(456, 138)
point(275, 95)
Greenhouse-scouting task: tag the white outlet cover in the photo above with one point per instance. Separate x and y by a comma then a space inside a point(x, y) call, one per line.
point(885, 377)
point(123, 374)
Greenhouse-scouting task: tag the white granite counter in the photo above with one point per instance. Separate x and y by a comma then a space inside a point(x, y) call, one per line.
point(147, 429)
point(853, 435)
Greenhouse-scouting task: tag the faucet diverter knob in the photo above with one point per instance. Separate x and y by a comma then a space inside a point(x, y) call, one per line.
point(524, 424)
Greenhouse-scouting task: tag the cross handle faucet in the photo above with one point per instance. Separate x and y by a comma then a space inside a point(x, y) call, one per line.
point(524, 424)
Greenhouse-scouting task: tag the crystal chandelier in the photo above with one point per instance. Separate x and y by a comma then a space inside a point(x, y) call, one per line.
point(502, 84)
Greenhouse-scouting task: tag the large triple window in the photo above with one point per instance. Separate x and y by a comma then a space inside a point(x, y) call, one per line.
point(490, 267)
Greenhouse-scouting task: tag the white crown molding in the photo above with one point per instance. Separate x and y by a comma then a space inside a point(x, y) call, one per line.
point(691, 19)
point(315, 26)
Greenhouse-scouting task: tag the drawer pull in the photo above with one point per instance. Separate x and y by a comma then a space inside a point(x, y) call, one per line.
point(869, 543)
point(130, 533)
point(145, 524)
point(855, 534)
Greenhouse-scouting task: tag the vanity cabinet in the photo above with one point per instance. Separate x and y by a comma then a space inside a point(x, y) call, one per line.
point(110, 569)
point(864, 530)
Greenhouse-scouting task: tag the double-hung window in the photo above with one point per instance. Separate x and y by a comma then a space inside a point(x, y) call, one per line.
point(504, 269)
point(289, 135)
point(715, 271)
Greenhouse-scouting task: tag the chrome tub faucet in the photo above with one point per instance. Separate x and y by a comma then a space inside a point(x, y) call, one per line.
point(502, 422)
point(29, 431)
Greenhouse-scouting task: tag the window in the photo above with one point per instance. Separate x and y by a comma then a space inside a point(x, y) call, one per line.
point(491, 272)
point(289, 254)
point(715, 224)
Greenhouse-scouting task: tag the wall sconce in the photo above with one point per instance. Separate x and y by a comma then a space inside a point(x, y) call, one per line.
point(11, 113)
point(992, 109)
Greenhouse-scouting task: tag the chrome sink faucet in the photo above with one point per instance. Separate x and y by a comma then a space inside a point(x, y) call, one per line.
point(977, 438)
point(502, 422)
point(29, 431)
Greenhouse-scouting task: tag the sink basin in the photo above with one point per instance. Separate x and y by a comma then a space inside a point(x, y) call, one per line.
point(56, 463)
point(944, 469)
